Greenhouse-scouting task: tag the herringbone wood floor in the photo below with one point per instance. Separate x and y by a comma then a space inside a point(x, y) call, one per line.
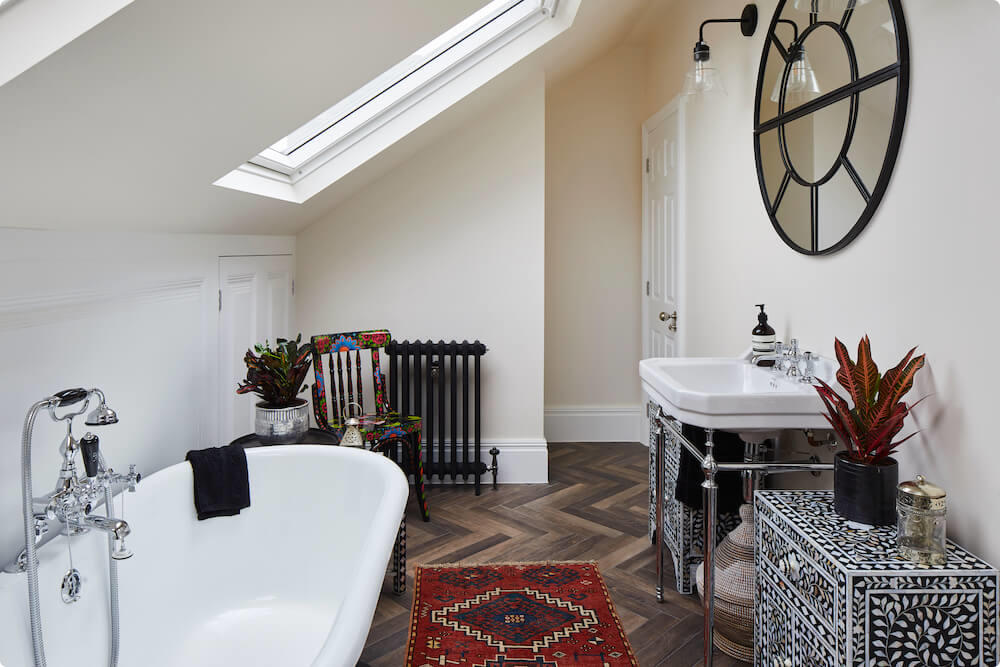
point(594, 508)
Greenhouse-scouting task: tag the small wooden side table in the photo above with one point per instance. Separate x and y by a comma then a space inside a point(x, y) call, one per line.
point(315, 436)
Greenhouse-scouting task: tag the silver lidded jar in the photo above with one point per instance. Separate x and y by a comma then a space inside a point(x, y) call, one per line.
point(921, 530)
point(282, 426)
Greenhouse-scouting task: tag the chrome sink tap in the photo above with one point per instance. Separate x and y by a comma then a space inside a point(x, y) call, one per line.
point(777, 357)
point(792, 369)
point(809, 374)
point(790, 362)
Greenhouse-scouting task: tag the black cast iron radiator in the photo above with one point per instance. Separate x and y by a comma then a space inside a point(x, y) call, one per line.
point(434, 381)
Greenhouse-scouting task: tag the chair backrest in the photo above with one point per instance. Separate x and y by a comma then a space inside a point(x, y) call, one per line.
point(348, 388)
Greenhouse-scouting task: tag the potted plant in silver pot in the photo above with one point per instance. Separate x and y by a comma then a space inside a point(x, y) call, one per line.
point(278, 376)
point(865, 474)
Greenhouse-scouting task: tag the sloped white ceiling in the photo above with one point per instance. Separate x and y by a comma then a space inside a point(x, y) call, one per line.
point(31, 31)
point(127, 127)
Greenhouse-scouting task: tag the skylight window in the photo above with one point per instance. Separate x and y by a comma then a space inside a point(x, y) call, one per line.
point(291, 159)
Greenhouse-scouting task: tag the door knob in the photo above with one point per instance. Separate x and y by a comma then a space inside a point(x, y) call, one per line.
point(673, 316)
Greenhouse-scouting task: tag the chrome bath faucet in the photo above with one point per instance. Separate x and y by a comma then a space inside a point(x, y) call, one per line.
point(72, 503)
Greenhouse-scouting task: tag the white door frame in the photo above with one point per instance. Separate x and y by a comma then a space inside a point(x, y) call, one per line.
point(678, 105)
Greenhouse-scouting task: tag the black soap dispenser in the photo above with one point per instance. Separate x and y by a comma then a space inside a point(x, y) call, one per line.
point(763, 338)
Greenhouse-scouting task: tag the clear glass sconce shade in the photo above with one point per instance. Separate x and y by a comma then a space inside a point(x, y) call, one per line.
point(818, 6)
point(802, 85)
point(703, 79)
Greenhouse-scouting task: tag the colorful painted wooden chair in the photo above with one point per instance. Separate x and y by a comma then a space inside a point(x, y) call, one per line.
point(383, 427)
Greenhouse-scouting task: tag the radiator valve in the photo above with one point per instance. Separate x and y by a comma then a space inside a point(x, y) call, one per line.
point(493, 467)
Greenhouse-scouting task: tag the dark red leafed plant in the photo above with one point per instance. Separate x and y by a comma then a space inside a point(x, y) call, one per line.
point(867, 429)
point(277, 375)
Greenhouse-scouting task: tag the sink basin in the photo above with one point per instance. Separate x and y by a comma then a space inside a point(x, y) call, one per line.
point(733, 395)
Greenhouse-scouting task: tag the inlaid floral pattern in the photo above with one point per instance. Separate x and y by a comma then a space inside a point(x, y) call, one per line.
point(887, 611)
point(935, 629)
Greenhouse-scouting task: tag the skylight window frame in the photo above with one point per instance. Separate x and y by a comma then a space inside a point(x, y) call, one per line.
point(372, 105)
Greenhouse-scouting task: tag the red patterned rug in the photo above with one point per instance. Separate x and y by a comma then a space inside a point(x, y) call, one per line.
point(517, 615)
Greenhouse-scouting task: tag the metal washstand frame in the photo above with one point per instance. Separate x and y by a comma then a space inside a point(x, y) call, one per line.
point(752, 473)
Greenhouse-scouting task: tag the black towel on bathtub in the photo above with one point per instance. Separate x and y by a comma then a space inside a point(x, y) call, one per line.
point(221, 481)
point(729, 449)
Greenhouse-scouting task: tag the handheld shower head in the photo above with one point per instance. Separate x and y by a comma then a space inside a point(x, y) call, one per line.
point(102, 415)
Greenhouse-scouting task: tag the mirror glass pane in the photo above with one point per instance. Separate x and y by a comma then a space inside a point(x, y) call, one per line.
point(840, 206)
point(814, 141)
point(828, 57)
point(771, 164)
point(871, 135)
point(773, 70)
point(802, 11)
point(793, 215)
point(873, 33)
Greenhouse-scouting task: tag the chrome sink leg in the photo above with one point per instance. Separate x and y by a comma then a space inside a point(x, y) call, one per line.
point(751, 478)
point(710, 495)
point(658, 531)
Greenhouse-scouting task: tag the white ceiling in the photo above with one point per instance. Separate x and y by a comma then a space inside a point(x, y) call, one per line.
point(127, 127)
point(22, 44)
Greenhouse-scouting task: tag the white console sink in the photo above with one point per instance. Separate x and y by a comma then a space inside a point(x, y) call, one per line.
point(731, 394)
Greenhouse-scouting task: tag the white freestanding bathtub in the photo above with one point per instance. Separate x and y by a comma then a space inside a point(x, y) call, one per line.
point(291, 581)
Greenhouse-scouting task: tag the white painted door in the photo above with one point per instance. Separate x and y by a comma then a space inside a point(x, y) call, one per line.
point(663, 210)
point(255, 304)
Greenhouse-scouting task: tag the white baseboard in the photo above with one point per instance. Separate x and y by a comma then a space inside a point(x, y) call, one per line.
point(595, 423)
point(519, 461)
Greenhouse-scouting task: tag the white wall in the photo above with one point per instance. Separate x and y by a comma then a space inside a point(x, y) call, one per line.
point(593, 225)
point(923, 272)
point(133, 314)
point(450, 245)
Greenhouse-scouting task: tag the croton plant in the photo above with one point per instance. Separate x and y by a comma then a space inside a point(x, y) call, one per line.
point(277, 375)
point(867, 429)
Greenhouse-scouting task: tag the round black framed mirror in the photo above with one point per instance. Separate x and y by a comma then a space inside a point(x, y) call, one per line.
point(828, 118)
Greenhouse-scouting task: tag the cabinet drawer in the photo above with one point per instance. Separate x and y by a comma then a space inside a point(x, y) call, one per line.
point(784, 635)
point(773, 630)
point(798, 576)
point(810, 649)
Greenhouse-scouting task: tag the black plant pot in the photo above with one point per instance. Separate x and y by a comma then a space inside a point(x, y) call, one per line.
point(865, 493)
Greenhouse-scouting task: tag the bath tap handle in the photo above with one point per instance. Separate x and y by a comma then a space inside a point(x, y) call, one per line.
point(128, 481)
point(133, 478)
point(90, 444)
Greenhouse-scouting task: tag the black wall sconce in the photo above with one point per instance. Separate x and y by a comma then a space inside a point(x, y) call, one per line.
point(703, 78)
